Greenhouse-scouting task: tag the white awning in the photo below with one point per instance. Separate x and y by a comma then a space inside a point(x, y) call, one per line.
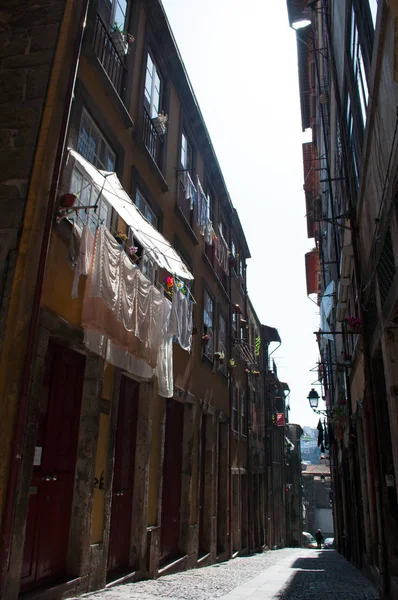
point(155, 244)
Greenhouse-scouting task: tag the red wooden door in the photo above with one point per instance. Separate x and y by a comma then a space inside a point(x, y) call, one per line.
point(171, 494)
point(202, 496)
point(123, 477)
point(51, 491)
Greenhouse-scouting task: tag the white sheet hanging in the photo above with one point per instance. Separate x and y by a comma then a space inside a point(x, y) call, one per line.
point(113, 354)
point(121, 304)
point(156, 245)
point(84, 257)
point(181, 323)
point(327, 303)
point(164, 369)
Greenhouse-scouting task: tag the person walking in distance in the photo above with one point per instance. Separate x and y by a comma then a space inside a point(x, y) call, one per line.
point(319, 538)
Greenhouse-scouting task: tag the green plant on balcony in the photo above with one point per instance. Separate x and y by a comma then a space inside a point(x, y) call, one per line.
point(121, 39)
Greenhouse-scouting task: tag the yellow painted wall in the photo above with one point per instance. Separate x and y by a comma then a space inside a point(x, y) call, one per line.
point(101, 460)
point(58, 280)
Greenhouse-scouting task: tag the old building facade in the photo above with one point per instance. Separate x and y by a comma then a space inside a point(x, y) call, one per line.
point(348, 90)
point(130, 448)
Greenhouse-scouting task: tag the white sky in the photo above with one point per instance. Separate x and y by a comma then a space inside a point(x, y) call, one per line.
point(242, 62)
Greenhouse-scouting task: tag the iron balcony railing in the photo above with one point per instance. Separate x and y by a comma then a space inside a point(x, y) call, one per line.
point(152, 140)
point(108, 55)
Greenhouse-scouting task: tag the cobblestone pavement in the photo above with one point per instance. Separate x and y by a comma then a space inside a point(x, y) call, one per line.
point(280, 575)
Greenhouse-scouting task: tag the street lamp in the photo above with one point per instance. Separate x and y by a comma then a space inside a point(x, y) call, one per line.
point(313, 399)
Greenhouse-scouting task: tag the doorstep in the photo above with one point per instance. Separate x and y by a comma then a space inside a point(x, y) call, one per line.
point(54, 591)
point(174, 566)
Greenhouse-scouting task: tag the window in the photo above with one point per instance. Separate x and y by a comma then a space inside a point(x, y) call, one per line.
point(153, 88)
point(118, 14)
point(243, 421)
point(186, 153)
point(234, 324)
point(208, 325)
point(92, 145)
point(358, 68)
point(87, 196)
point(145, 209)
point(222, 341)
point(350, 125)
point(148, 267)
point(234, 407)
point(373, 10)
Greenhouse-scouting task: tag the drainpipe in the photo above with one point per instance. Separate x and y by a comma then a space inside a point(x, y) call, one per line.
point(19, 435)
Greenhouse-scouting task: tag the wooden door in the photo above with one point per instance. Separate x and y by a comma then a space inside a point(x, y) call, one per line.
point(202, 495)
point(123, 477)
point(171, 493)
point(51, 491)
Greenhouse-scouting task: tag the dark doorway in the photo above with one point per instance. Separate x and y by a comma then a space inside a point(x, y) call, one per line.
point(202, 498)
point(171, 493)
point(51, 490)
point(123, 478)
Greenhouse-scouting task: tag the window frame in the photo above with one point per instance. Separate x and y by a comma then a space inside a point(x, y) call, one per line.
point(148, 103)
point(188, 166)
point(153, 220)
point(90, 218)
point(242, 411)
point(235, 408)
point(222, 346)
point(208, 348)
point(104, 144)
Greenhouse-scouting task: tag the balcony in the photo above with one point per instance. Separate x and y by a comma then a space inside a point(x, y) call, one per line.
point(152, 140)
point(108, 55)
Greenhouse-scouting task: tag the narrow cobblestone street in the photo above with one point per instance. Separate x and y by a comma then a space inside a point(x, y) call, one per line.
point(281, 575)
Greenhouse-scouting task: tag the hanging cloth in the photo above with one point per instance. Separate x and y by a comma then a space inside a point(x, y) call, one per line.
point(203, 208)
point(84, 256)
point(164, 369)
point(180, 325)
point(121, 303)
point(190, 190)
point(223, 258)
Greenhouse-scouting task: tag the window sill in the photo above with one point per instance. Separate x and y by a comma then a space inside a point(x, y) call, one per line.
point(187, 226)
point(109, 87)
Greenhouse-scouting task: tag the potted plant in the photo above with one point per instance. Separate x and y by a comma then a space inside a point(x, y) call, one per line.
point(353, 324)
point(256, 373)
point(219, 357)
point(159, 123)
point(68, 200)
point(121, 39)
point(121, 237)
point(206, 337)
point(232, 363)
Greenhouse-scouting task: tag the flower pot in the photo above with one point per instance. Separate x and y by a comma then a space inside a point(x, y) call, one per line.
point(159, 125)
point(68, 200)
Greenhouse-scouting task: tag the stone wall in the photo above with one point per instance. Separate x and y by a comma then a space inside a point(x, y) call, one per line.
point(28, 37)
